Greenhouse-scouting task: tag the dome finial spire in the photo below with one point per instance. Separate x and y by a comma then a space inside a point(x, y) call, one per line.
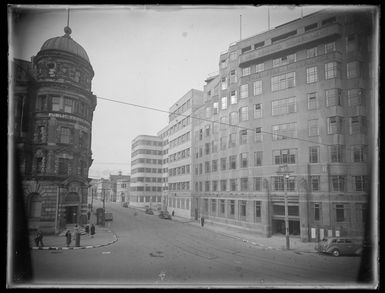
point(67, 29)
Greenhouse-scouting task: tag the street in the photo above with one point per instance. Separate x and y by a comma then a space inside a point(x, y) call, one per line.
point(154, 252)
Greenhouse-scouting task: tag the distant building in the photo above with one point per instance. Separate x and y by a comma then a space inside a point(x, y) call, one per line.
point(163, 135)
point(123, 189)
point(113, 195)
point(53, 107)
point(146, 171)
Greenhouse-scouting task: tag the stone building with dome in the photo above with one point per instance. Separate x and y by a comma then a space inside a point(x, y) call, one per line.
point(52, 129)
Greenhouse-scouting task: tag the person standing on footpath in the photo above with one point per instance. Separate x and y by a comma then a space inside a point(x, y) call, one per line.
point(92, 230)
point(202, 221)
point(68, 238)
point(39, 238)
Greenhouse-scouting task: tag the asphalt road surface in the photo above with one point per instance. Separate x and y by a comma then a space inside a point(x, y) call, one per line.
point(154, 252)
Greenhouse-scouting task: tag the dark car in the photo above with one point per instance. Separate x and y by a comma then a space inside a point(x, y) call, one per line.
point(125, 205)
point(164, 215)
point(148, 211)
point(340, 245)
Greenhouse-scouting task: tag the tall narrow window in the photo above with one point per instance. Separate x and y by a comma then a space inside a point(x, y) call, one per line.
point(338, 183)
point(333, 97)
point(68, 105)
point(233, 97)
point(244, 91)
point(258, 134)
point(315, 182)
point(56, 103)
point(65, 135)
point(330, 47)
point(242, 210)
point(258, 158)
point(243, 161)
point(314, 154)
point(245, 71)
point(257, 87)
point(257, 184)
point(243, 136)
point(317, 211)
point(259, 67)
point(313, 127)
point(224, 103)
point(330, 70)
point(352, 69)
point(311, 74)
point(355, 97)
point(335, 125)
point(312, 101)
point(340, 213)
point(312, 52)
point(244, 113)
point(336, 153)
point(257, 211)
point(245, 184)
point(257, 111)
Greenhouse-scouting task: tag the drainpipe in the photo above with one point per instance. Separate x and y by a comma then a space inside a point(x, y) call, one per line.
point(57, 209)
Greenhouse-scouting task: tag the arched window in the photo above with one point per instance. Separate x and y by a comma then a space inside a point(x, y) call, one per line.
point(34, 205)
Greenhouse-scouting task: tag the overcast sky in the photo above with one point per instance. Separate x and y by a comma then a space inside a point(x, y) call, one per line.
point(142, 55)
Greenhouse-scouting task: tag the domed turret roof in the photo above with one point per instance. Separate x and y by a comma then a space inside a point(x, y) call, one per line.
point(67, 44)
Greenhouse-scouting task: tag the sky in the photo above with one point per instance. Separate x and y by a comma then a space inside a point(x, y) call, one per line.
point(144, 55)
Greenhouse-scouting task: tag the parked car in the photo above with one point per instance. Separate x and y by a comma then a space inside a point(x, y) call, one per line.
point(340, 246)
point(125, 205)
point(148, 211)
point(164, 215)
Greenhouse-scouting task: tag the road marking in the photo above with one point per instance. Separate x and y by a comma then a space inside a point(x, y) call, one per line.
point(106, 252)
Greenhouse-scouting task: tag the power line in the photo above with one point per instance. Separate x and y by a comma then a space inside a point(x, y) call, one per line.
point(212, 121)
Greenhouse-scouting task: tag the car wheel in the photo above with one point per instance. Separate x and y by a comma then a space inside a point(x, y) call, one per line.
point(336, 252)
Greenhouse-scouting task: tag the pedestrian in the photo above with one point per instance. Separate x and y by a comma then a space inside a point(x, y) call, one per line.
point(88, 215)
point(39, 238)
point(172, 213)
point(68, 237)
point(92, 230)
point(202, 221)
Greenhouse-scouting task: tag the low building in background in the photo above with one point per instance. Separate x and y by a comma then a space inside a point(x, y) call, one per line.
point(123, 189)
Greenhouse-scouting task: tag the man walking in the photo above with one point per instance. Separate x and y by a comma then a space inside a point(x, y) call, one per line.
point(202, 221)
point(39, 238)
point(68, 237)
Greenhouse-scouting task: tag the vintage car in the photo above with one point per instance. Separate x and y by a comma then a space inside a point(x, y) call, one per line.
point(164, 215)
point(148, 211)
point(125, 205)
point(340, 246)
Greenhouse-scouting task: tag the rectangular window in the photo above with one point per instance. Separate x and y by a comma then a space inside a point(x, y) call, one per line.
point(232, 140)
point(257, 211)
point(246, 49)
point(207, 148)
point(68, 105)
point(223, 185)
point(257, 186)
point(259, 67)
point(223, 143)
point(284, 156)
point(223, 164)
point(283, 106)
point(283, 81)
point(330, 47)
point(315, 182)
point(258, 134)
point(64, 166)
point(311, 74)
point(41, 103)
point(258, 156)
point(359, 153)
point(56, 103)
point(352, 70)
point(317, 213)
point(277, 183)
point(257, 111)
point(257, 87)
point(284, 131)
point(233, 76)
point(215, 108)
point(232, 207)
point(245, 184)
point(337, 183)
point(244, 89)
point(215, 185)
point(284, 60)
point(243, 136)
point(242, 209)
point(233, 97)
point(207, 167)
point(222, 206)
point(244, 113)
point(207, 185)
point(340, 213)
point(214, 165)
point(314, 154)
point(223, 83)
point(65, 135)
point(360, 183)
point(336, 153)
point(312, 52)
point(312, 101)
point(351, 43)
point(213, 206)
point(243, 160)
point(232, 162)
point(355, 97)
point(357, 124)
point(335, 125)
point(245, 71)
point(313, 127)
point(330, 70)
point(224, 103)
point(233, 184)
point(333, 97)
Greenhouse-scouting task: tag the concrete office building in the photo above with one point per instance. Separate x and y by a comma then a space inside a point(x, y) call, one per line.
point(113, 195)
point(53, 105)
point(300, 96)
point(163, 135)
point(180, 175)
point(146, 171)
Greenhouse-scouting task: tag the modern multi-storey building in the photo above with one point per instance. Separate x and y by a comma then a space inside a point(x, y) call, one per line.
point(163, 135)
point(290, 119)
point(146, 171)
point(54, 107)
point(180, 175)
